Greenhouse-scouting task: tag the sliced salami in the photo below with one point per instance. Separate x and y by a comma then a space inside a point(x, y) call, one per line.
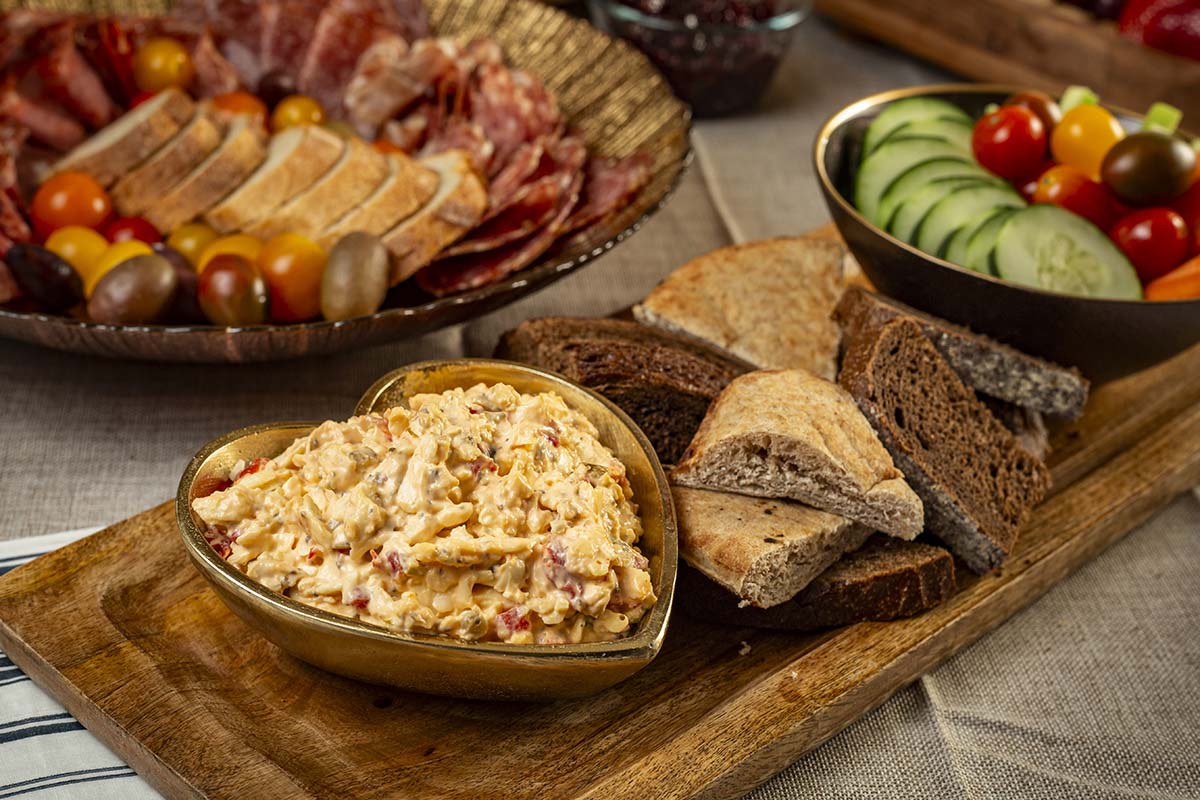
point(536, 206)
point(46, 123)
point(513, 108)
point(609, 183)
point(520, 166)
point(472, 271)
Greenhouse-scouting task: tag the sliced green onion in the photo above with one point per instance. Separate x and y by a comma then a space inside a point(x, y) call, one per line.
point(1077, 96)
point(1162, 117)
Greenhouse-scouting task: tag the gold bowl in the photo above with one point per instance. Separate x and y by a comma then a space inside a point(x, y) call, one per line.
point(430, 663)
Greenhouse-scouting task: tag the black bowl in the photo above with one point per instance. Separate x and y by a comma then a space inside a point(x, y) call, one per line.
point(1106, 339)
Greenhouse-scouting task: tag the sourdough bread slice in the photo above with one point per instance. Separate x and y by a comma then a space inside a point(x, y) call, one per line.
point(977, 483)
point(988, 366)
point(354, 176)
point(455, 208)
point(766, 302)
point(130, 139)
point(662, 381)
point(883, 580)
point(213, 178)
point(788, 433)
point(296, 158)
point(171, 163)
point(406, 188)
point(763, 551)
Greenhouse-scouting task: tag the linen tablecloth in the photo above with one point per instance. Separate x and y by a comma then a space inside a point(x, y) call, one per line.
point(1093, 692)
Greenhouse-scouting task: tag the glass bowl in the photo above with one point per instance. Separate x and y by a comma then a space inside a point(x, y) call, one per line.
point(717, 68)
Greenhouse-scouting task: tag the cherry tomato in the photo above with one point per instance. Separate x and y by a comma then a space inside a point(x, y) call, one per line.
point(1188, 206)
point(292, 266)
point(241, 103)
point(125, 228)
point(232, 292)
point(160, 63)
point(241, 244)
point(1027, 185)
point(1083, 138)
point(296, 109)
point(191, 240)
point(1039, 103)
point(115, 254)
point(386, 147)
point(1155, 240)
point(1069, 188)
point(69, 198)
point(1010, 141)
point(1181, 283)
point(140, 98)
point(78, 246)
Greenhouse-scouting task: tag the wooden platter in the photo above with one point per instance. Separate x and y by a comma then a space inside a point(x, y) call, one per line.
point(1042, 44)
point(122, 631)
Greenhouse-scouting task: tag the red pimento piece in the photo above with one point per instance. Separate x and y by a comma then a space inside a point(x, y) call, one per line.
point(392, 558)
point(510, 621)
point(314, 556)
point(360, 598)
point(251, 468)
point(553, 438)
point(218, 540)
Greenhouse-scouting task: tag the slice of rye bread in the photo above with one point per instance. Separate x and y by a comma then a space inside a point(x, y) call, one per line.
point(763, 551)
point(767, 302)
point(662, 381)
point(977, 483)
point(1027, 426)
point(885, 579)
point(990, 367)
point(788, 433)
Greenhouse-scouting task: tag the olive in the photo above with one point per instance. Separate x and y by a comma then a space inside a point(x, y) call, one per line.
point(184, 308)
point(274, 86)
point(356, 277)
point(45, 278)
point(1041, 104)
point(138, 291)
point(1149, 168)
point(231, 291)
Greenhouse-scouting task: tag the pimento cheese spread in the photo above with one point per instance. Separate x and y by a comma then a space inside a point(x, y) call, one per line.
point(482, 514)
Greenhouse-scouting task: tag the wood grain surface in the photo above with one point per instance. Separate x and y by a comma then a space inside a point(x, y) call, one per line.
point(126, 635)
point(1043, 44)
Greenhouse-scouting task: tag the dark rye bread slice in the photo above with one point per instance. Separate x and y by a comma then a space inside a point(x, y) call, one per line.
point(662, 381)
point(990, 367)
point(1026, 425)
point(885, 579)
point(976, 482)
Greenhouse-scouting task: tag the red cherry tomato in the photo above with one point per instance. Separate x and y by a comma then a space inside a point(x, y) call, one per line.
point(1069, 188)
point(1155, 239)
point(69, 198)
point(123, 229)
point(1027, 186)
point(1010, 141)
point(292, 266)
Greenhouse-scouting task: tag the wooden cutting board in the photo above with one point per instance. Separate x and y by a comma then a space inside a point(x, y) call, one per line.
point(122, 631)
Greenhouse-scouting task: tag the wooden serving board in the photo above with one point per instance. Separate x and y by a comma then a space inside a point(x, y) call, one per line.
point(121, 630)
point(1041, 44)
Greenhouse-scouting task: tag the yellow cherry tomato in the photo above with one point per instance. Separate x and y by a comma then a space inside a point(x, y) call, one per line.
point(1083, 138)
point(293, 266)
point(162, 62)
point(80, 247)
point(240, 103)
point(115, 254)
point(239, 244)
point(296, 109)
point(191, 240)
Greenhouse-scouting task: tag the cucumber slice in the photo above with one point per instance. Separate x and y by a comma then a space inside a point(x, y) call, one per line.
point(953, 130)
point(983, 241)
point(909, 110)
point(912, 211)
point(1050, 248)
point(954, 249)
point(919, 176)
point(958, 208)
point(879, 169)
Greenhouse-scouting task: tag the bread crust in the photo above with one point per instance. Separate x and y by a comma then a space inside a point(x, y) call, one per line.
point(171, 163)
point(407, 187)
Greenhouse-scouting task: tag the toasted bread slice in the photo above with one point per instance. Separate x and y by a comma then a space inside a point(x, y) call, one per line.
point(788, 433)
point(764, 551)
point(171, 163)
point(296, 159)
point(455, 208)
point(130, 139)
point(766, 302)
point(407, 187)
point(354, 176)
point(213, 178)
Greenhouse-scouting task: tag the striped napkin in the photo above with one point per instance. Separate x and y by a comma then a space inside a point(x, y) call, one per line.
point(44, 752)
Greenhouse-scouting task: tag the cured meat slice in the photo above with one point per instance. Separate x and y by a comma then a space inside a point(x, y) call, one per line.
point(390, 78)
point(108, 47)
point(410, 133)
point(609, 184)
point(287, 28)
point(237, 26)
point(215, 74)
point(534, 207)
point(46, 123)
point(412, 19)
point(472, 271)
point(13, 225)
point(19, 30)
point(513, 107)
point(459, 133)
point(70, 79)
point(520, 166)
